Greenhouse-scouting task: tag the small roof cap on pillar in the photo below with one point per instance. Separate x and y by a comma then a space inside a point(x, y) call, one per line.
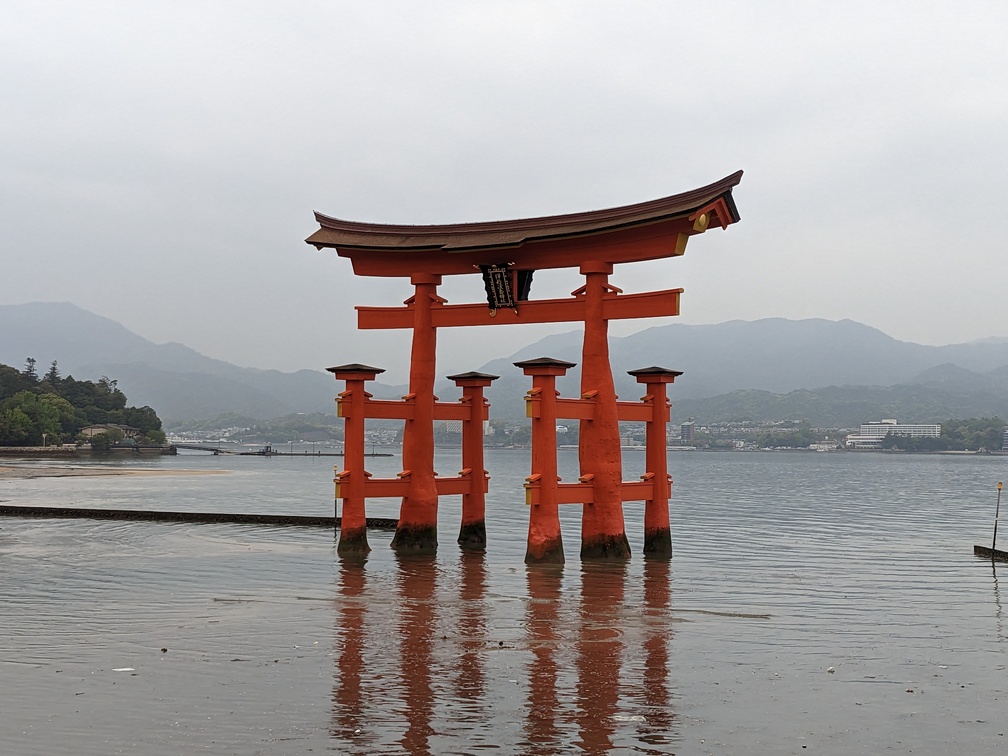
point(354, 368)
point(663, 375)
point(545, 362)
point(472, 375)
point(545, 366)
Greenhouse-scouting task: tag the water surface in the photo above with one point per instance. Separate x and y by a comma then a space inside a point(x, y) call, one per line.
point(786, 565)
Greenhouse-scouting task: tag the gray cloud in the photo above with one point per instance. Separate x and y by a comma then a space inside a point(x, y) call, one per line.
point(160, 161)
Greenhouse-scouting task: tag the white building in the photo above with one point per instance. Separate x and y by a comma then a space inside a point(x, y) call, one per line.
point(455, 426)
point(883, 428)
point(872, 434)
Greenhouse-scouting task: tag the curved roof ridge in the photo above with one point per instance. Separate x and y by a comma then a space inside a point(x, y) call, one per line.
point(651, 209)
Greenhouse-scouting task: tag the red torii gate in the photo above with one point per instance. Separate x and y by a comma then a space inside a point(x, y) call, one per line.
point(507, 253)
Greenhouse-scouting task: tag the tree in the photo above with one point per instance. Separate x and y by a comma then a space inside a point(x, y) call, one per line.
point(106, 440)
point(114, 399)
point(12, 380)
point(57, 408)
point(145, 420)
point(15, 427)
point(49, 416)
point(960, 435)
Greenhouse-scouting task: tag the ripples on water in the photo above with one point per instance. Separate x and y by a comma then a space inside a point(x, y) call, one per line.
point(786, 565)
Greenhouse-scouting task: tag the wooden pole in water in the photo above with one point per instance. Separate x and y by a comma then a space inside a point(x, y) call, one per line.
point(997, 511)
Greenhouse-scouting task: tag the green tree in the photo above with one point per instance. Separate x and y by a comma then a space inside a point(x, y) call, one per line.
point(15, 427)
point(59, 407)
point(972, 434)
point(145, 420)
point(106, 440)
point(112, 397)
point(12, 380)
point(49, 415)
point(53, 376)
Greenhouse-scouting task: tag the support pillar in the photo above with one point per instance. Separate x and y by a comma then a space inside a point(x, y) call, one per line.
point(603, 535)
point(417, 530)
point(657, 530)
point(472, 533)
point(350, 481)
point(545, 543)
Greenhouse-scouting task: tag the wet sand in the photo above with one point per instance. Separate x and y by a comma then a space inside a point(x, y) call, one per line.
point(18, 472)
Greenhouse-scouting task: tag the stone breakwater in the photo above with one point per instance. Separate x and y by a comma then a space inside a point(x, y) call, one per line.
point(28, 472)
point(72, 451)
point(62, 452)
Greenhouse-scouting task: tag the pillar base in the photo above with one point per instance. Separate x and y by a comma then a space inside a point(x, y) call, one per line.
point(417, 539)
point(472, 536)
point(353, 541)
point(548, 551)
point(605, 547)
point(658, 544)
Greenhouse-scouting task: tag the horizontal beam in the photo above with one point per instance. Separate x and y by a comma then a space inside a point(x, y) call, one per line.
point(651, 304)
point(457, 411)
point(378, 409)
point(566, 493)
point(650, 241)
point(584, 492)
point(391, 409)
point(376, 487)
point(460, 485)
point(637, 490)
point(575, 409)
point(399, 487)
point(634, 412)
point(584, 409)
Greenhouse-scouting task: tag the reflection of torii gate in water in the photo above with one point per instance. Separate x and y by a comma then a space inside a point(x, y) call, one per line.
point(507, 253)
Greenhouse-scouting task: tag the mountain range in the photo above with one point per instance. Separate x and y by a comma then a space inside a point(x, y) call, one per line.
point(834, 373)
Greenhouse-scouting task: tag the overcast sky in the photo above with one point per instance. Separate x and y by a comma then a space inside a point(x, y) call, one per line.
point(160, 162)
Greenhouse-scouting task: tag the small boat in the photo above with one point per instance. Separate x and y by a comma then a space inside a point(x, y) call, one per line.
point(986, 552)
point(992, 553)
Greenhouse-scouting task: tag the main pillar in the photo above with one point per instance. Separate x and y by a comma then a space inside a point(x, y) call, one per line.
point(603, 535)
point(417, 530)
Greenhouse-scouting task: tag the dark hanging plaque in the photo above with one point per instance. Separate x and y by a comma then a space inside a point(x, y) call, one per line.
point(497, 281)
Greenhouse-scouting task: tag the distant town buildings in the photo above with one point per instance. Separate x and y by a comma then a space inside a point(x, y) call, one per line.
point(455, 426)
point(824, 446)
point(687, 432)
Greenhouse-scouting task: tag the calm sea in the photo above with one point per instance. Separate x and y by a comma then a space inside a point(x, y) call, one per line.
point(816, 603)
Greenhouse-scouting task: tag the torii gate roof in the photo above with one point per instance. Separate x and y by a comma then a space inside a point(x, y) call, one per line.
point(631, 233)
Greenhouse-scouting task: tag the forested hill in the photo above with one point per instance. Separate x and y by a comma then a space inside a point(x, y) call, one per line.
point(831, 372)
point(51, 409)
point(181, 383)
